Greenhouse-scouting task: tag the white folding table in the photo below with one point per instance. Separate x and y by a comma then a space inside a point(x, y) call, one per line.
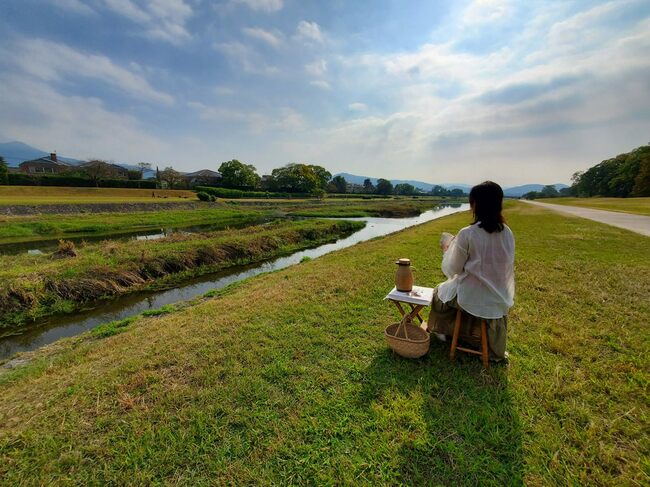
point(417, 299)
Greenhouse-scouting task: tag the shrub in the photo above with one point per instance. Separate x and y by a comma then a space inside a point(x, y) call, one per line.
point(236, 193)
point(203, 196)
point(17, 179)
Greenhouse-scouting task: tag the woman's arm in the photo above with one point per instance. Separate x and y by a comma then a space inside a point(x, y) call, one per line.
point(453, 260)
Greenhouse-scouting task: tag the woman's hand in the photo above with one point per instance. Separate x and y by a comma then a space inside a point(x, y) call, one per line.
point(445, 240)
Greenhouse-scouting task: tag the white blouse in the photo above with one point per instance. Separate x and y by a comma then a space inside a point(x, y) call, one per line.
point(480, 271)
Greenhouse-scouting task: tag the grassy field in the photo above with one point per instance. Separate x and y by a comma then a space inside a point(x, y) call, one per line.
point(639, 206)
point(377, 208)
point(45, 195)
point(49, 226)
point(286, 379)
point(44, 226)
point(32, 286)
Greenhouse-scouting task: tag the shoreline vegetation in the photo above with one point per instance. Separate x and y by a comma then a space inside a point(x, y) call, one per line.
point(301, 387)
point(35, 286)
point(15, 229)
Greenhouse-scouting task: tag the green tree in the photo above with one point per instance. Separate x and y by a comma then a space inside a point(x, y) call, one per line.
point(4, 171)
point(368, 187)
point(549, 191)
point(236, 174)
point(171, 176)
point(322, 175)
point(299, 178)
point(642, 180)
point(405, 189)
point(612, 177)
point(384, 186)
point(531, 195)
point(96, 170)
point(339, 184)
point(134, 174)
point(142, 167)
point(439, 191)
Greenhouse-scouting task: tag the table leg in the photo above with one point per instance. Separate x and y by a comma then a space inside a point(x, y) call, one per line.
point(415, 312)
point(399, 307)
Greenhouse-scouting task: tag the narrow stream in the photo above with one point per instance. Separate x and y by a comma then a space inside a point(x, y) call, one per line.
point(132, 304)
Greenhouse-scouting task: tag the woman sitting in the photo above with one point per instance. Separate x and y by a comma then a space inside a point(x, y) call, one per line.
point(479, 265)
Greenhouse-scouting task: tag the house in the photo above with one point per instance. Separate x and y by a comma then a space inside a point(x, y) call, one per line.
point(44, 165)
point(105, 170)
point(204, 177)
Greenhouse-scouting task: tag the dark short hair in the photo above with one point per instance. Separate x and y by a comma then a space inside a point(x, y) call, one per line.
point(487, 202)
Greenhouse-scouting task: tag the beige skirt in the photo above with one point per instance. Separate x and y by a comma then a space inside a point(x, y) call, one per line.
point(442, 319)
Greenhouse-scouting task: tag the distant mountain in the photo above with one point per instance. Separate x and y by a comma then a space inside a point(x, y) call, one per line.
point(16, 152)
point(354, 179)
point(517, 191)
point(514, 191)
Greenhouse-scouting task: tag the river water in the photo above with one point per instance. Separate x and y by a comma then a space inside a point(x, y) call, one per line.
point(132, 304)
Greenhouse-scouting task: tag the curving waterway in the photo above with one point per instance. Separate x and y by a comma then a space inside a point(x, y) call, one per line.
point(132, 304)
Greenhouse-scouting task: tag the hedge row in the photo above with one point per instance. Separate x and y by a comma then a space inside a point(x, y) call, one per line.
point(74, 181)
point(236, 193)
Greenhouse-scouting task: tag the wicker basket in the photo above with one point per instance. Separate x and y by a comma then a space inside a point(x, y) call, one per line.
point(406, 339)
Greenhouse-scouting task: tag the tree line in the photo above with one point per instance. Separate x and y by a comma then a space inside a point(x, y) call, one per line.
point(291, 178)
point(310, 178)
point(622, 176)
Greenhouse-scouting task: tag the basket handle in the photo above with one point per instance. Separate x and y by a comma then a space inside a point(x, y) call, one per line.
point(402, 324)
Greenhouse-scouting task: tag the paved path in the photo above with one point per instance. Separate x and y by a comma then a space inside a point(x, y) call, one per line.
point(635, 223)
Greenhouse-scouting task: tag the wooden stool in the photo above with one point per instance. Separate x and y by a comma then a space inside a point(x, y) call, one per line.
point(484, 342)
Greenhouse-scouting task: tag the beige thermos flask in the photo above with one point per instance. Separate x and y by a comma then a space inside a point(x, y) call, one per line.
point(404, 276)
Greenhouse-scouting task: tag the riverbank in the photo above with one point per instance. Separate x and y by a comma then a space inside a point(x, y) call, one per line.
point(286, 378)
point(111, 223)
point(34, 286)
point(385, 209)
point(31, 196)
point(123, 219)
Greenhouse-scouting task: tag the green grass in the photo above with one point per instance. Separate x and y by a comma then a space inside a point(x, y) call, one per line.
point(640, 206)
point(286, 379)
point(380, 208)
point(48, 226)
point(44, 226)
point(45, 195)
point(35, 286)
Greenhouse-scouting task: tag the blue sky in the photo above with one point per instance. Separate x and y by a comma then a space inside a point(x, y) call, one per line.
point(439, 91)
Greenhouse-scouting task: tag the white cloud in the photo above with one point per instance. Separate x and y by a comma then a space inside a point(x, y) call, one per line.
point(247, 58)
point(323, 85)
point(76, 6)
point(546, 99)
point(485, 11)
point(283, 119)
point(262, 5)
point(273, 39)
point(309, 31)
point(54, 62)
point(317, 68)
point(163, 19)
point(77, 126)
point(358, 107)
